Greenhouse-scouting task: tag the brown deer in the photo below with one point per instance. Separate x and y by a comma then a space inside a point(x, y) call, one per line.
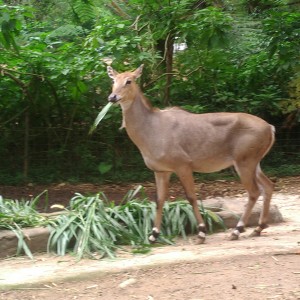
point(173, 140)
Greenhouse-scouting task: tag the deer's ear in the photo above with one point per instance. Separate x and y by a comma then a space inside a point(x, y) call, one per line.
point(138, 72)
point(111, 72)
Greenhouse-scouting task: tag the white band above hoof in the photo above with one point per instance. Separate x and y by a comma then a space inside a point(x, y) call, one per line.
point(155, 233)
point(201, 235)
point(236, 232)
point(152, 239)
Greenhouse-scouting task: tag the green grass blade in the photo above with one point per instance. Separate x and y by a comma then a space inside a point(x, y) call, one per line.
point(100, 116)
point(21, 242)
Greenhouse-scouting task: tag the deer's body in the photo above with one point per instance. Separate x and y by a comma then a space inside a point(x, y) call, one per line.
point(197, 140)
point(176, 141)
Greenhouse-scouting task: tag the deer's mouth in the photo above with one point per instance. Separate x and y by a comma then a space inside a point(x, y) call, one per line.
point(114, 98)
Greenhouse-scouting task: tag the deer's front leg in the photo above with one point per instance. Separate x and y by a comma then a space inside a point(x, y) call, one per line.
point(186, 177)
point(162, 185)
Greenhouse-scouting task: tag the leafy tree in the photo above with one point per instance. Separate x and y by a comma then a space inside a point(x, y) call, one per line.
point(164, 22)
point(239, 56)
point(283, 28)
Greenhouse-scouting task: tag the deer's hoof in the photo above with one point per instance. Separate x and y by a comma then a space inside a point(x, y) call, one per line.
point(201, 238)
point(234, 235)
point(152, 239)
point(154, 235)
point(255, 233)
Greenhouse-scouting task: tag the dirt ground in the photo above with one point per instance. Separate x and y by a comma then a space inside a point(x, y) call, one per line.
point(241, 277)
point(251, 268)
point(61, 193)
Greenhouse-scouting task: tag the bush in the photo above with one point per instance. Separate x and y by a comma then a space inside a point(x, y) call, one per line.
point(92, 225)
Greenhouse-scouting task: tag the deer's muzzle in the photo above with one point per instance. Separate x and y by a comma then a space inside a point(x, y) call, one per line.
point(114, 98)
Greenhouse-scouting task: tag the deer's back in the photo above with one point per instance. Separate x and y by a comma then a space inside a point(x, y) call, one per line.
point(208, 142)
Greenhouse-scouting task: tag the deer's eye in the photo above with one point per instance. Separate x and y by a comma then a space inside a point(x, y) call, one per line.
point(128, 81)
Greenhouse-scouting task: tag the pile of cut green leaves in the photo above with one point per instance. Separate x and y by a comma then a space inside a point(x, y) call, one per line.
point(95, 226)
point(16, 215)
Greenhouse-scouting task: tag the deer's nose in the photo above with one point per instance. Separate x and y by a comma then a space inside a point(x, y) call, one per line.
point(113, 98)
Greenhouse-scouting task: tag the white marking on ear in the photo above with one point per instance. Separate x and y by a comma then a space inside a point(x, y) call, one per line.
point(138, 72)
point(111, 72)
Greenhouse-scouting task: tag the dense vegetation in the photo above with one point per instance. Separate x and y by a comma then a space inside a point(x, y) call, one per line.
point(93, 226)
point(238, 56)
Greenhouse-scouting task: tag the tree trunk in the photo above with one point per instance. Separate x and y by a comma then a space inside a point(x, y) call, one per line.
point(169, 47)
point(26, 146)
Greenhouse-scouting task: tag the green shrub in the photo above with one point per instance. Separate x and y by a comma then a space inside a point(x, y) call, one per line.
point(15, 215)
point(93, 225)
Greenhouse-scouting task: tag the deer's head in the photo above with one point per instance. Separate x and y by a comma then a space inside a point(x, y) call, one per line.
point(124, 86)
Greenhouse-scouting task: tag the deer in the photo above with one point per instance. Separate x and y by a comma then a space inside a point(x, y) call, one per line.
point(173, 140)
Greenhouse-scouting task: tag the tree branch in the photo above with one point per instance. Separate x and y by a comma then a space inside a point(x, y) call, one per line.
point(6, 72)
point(173, 73)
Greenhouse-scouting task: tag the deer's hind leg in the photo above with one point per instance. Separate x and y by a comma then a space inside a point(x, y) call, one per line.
point(250, 181)
point(267, 187)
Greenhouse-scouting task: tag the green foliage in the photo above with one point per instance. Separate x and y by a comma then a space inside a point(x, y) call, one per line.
point(63, 33)
point(104, 167)
point(84, 11)
point(21, 213)
point(11, 19)
point(208, 29)
point(283, 28)
point(53, 75)
point(92, 225)
point(16, 215)
point(292, 104)
point(100, 116)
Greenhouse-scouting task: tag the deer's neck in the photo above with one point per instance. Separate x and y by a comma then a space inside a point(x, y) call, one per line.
point(137, 118)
